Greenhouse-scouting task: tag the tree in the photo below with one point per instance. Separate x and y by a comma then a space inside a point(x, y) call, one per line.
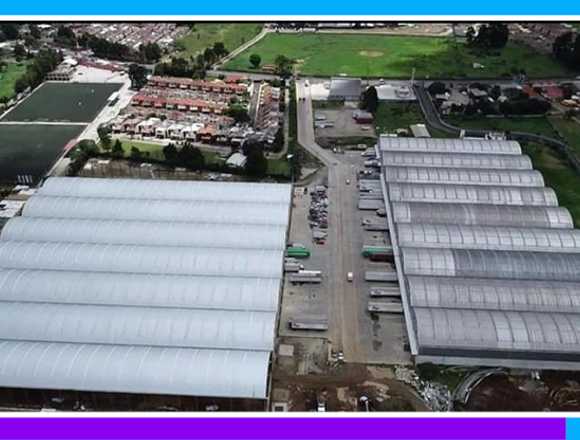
point(150, 52)
point(566, 49)
point(34, 31)
point(191, 157)
point(470, 35)
point(283, 66)
point(490, 36)
point(437, 88)
point(104, 134)
point(117, 150)
point(170, 153)
point(19, 51)
point(256, 163)
point(370, 100)
point(10, 31)
point(495, 92)
point(137, 75)
point(239, 113)
point(136, 154)
point(219, 49)
point(255, 60)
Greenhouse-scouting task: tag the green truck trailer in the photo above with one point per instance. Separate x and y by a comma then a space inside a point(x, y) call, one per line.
point(297, 252)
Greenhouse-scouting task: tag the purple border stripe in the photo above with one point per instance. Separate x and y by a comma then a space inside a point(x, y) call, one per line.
point(284, 428)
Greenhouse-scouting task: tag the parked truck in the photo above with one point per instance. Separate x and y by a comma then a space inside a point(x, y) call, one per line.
point(297, 252)
point(370, 250)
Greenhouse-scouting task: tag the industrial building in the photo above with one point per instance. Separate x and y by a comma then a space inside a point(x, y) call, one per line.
point(345, 89)
point(135, 287)
point(488, 263)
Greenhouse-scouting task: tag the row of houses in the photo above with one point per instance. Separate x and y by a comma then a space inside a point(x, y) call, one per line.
point(181, 131)
point(268, 115)
point(180, 104)
point(216, 86)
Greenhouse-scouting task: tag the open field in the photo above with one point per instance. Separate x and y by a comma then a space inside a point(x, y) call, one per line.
point(570, 131)
point(393, 56)
point(63, 102)
point(539, 125)
point(8, 77)
point(559, 175)
point(32, 149)
point(206, 34)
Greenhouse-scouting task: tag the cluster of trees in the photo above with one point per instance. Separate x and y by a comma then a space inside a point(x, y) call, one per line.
point(256, 162)
point(370, 100)
point(187, 156)
point(239, 113)
point(83, 151)
point(9, 31)
point(196, 66)
point(180, 67)
point(44, 62)
point(138, 76)
point(566, 49)
point(489, 36)
point(527, 106)
point(65, 36)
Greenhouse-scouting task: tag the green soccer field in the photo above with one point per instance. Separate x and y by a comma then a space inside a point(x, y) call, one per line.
point(63, 102)
point(32, 149)
point(388, 56)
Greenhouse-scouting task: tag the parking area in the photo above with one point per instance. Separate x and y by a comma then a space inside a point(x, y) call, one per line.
point(342, 300)
point(339, 123)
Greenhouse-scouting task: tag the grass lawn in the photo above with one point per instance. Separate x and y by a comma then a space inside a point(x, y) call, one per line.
point(63, 102)
point(570, 131)
point(392, 116)
point(8, 77)
point(278, 167)
point(155, 151)
point(393, 56)
point(205, 35)
point(559, 175)
point(531, 125)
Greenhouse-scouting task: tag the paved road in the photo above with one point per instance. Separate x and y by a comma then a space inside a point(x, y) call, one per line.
point(343, 300)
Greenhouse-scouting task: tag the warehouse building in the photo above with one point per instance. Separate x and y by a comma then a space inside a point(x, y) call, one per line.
point(488, 263)
point(175, 300)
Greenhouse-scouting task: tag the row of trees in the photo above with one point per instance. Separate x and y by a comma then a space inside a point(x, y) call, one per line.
point(566, 49)
point(195, 67)
point(188, 156)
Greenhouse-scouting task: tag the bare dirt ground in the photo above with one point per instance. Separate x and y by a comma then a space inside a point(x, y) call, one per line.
point(555, 391)
point(310, 375)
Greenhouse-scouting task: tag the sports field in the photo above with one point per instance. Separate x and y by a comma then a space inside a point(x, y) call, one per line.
point(393, 57)
point(32, 149)
point(63, 102)
point(9, 74)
